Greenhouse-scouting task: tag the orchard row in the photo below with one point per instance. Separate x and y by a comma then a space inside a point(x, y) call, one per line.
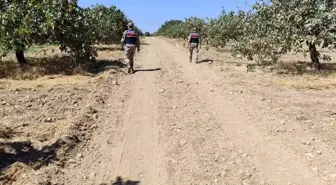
point(268, 30)
point(59, 22)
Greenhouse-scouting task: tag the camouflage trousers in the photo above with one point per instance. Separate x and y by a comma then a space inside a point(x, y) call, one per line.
point(129, 55)
point(193, 51)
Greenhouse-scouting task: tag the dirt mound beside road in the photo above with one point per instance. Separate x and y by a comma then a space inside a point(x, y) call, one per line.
point(44, 122)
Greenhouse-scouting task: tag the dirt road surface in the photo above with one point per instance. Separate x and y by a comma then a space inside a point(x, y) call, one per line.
point(175, 122)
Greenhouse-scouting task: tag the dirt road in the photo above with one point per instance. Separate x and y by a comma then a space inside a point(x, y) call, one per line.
point(174, 122)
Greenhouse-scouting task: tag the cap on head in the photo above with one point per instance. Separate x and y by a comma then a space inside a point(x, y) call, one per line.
point(130, 25)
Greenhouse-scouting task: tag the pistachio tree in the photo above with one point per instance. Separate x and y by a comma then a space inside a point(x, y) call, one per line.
point(276, 27)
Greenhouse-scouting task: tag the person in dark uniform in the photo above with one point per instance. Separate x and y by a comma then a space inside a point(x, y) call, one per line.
point(130, 42)
point(193, 44)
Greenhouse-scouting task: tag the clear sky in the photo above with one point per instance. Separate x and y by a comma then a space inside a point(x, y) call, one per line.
point(148, 15)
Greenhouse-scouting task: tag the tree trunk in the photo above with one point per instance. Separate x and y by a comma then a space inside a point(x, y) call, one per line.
point(20, 56)
point(314, 56)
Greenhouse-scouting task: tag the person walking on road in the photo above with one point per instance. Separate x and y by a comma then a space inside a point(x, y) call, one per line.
point(130, 42)
point(193, 44)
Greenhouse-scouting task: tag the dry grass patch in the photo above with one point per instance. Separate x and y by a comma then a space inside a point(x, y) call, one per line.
point(315, 82)
point(44, 82)
point(46, 61)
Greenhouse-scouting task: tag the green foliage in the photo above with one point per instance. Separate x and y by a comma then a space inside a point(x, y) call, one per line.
point(62, 22)
point(108, 23)
point(173, 29)
point(255, 41)
point(73, 31)
point(25, 22)
point(271, 29)
point(280, 26)
point(147, 34)
point(196, 23)
point(181, 29)
point(227, 27)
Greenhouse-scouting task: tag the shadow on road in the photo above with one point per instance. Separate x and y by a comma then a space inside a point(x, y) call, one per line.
point(107, 48)
point(55, 65)
point(302, 67)
point(206, 60)
point(146, 70)
point(25, 153)
point(100, 66)
point(120, 181)
point(144, 43)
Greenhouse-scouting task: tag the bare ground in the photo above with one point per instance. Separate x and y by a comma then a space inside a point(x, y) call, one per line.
point(172, 122)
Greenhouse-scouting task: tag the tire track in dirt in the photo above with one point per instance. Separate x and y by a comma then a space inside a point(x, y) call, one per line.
point(272, 158)
point(198, 150)
point(178, 126)
point(138, 155)
point(126, 144)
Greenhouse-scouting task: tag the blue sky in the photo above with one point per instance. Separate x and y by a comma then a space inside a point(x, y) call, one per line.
point(148, 15)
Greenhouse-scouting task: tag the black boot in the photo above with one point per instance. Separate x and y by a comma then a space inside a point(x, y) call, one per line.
point(130, 68)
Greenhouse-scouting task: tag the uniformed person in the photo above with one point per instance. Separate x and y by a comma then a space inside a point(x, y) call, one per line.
point(130, 42)
point(193, 44)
